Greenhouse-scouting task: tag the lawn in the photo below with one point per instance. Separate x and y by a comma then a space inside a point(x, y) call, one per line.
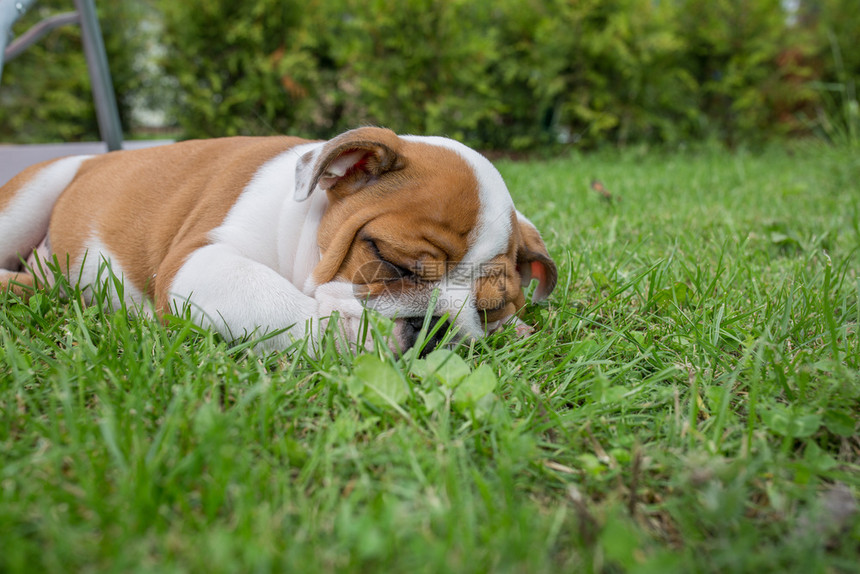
point(688, 403)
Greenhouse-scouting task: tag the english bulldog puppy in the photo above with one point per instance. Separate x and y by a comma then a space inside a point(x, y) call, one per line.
point(257, 235)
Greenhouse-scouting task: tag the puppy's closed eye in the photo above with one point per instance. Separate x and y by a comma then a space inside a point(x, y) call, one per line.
point(398, 271)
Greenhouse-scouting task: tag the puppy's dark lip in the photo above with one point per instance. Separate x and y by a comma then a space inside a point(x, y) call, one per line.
point(416, 323)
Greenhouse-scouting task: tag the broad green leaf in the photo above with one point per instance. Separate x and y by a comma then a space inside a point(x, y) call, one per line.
point(480, 383)
point(420, 369)
point(818, 459)
point(354, 386)
point(433, 399)
point(840, 423)
point(590, 463)
point(38, 303)
point(679, 293)
point(447, 366)
point(383, 385)
point(783, 421)
point(804, 425)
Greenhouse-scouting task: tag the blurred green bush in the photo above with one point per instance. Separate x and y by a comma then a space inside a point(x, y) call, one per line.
point(45, 93)
point(506, 74)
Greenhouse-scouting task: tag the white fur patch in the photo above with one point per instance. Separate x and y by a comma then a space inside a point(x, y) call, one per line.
point(493, 229)
point(268, 226)
point(24, 221)
point(266, 251)
point(100, 267)
point(238, 296)
point(488, 239)
point(249, 280)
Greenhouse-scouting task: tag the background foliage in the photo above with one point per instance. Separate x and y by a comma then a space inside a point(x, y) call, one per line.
point(509, 74)
point(45, 93)
point(688, 403)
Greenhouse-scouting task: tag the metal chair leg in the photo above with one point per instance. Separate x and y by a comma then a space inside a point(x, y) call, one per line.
point(107, 110)
point(9, 14)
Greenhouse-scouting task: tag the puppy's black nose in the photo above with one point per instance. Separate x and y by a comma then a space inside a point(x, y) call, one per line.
point(412, 328)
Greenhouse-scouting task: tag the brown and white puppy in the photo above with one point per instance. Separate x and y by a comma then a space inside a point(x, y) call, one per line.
point(263, 234)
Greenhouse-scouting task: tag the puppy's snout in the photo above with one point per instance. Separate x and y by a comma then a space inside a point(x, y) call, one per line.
point(412, 329)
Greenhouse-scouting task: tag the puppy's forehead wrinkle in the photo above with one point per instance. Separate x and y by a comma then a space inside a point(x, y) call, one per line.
point(493, 228)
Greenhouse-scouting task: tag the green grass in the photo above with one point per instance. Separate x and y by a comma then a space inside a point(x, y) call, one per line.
point(689, 403)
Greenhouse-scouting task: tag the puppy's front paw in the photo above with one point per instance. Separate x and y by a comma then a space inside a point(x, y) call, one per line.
point(521, 329)
point(337, 297)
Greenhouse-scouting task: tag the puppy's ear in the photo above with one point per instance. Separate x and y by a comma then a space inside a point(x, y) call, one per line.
point(533, 260)
point(348, 162)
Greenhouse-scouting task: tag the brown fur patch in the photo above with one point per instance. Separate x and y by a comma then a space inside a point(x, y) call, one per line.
point(11, 188)
point(533, 260)
point(499, 292)
point(147, 205)
point(419, 218)
point(404, 218)
point(21, 284)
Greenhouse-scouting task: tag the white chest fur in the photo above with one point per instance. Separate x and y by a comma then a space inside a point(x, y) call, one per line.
point(268, 226)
